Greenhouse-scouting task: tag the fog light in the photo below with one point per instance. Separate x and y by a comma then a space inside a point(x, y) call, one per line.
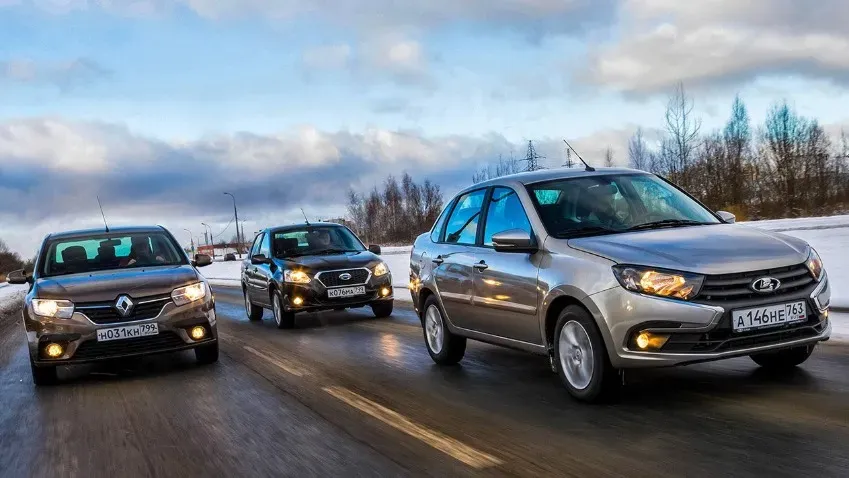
point(198, 332)
point(650, 341)
point(385, 291)
point(825, 313)
point(54, 350)
point(298, 301)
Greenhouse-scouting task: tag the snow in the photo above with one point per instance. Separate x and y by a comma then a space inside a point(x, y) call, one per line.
point(9, 294)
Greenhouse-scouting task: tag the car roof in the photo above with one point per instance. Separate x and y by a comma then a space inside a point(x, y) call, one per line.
point(291, 227)
point(81, 233)
point(543, 175)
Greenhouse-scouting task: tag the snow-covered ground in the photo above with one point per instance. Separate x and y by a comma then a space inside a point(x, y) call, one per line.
point(9, 294)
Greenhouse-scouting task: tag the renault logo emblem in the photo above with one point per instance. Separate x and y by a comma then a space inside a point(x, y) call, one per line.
point(766, 285)
point(124, 305)
point(345, 276)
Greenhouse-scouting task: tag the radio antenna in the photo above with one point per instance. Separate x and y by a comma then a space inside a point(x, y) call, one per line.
point(101, 213)
point(305, 216)
point(588, 167)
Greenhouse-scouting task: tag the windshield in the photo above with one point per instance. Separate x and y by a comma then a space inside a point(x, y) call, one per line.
point(108, 252)
point(609, 204)
point(315, 240)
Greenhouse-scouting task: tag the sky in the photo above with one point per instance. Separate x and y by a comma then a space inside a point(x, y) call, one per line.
point(160, 106)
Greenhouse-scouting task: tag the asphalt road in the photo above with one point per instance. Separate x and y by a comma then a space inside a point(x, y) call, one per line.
point(345, 394)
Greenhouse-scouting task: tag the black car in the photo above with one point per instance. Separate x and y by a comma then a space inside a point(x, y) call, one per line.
point(313, 267)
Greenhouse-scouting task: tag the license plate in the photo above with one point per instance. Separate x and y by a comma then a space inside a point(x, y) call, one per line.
point(768, 316)
point(346, 292)
point(127, 332)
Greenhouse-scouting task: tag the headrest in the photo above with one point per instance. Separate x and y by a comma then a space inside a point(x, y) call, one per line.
point(285, 243)
point(106, 252)
point(74, 254)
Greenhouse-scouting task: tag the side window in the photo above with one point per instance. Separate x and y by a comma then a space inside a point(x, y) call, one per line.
point(505, 213)
point(263, 247)
point(463, 223)
point(255, 247)
point(437, 228)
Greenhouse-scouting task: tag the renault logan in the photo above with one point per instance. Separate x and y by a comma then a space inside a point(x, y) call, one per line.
point(605, 270)
point(105, 294)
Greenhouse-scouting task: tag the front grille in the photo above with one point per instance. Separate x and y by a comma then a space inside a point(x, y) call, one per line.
point(93, 349)
point(332, 279)
point(104, 312)
point(719, 289)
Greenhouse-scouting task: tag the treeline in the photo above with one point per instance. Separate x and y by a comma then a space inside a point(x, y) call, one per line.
point(786, 167)
point(11, 261)
point(395, 213)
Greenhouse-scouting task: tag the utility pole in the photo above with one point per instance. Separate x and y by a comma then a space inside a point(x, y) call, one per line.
point(210, 240)
point(532, 158)
point(192, 239)
point(236, 213)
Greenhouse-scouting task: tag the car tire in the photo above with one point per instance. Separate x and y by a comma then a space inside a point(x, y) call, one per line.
point(44, 376)
point(283, 319)
point(382, 309)
point(207, 354)
point(444, 347)
point(254, 312)
point(783, 359)
point(581, 359)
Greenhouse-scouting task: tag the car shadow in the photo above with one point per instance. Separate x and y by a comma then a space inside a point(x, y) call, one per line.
point(109, 371)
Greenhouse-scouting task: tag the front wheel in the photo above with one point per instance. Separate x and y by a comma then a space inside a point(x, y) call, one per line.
point(382, 309)
point(444, 347)
point(580, 357)
point(42, 376)
point(784, 359)
point(283, 319)
point(207, 354)
point(254, 312)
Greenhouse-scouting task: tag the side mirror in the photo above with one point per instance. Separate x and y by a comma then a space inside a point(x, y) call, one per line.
point(17, 277)
point(727, 217)
point(514, 240)
point(259, 259)
point(374, 248)
point(201, 260)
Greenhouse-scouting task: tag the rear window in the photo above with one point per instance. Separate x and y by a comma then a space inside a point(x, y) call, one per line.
point(108, 252)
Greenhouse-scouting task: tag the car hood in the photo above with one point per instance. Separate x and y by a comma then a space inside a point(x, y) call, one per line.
point(329, 262)
point(714, 249)
point(105, 286)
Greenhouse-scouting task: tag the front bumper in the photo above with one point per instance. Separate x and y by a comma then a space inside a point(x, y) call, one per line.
point(78, 335)
point(699, 332)
point(314, 296)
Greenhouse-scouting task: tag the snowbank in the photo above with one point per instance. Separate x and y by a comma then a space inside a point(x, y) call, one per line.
point(9, 294)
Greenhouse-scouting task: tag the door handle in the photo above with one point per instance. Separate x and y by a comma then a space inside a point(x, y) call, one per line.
point(438, 260)
point(481, 266)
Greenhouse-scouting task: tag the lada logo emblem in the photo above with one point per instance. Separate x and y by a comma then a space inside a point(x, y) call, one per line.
point(124, 305)
point(766, 285)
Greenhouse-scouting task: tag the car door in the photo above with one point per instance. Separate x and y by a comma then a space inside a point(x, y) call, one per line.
point(454, 256)
point(506, 298)
point(250, 272)
point(262, 272)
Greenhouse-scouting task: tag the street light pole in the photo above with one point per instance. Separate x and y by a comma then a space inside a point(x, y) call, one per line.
point(210, 241)
point(238, 237)
point(192, 239)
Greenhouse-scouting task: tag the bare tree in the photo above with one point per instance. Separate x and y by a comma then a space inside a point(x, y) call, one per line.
point(639, 156)
point(738, 143)
point(682, 129)
point(503, 167)
point(608, 157)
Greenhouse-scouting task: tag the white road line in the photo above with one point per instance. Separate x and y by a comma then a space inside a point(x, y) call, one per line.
point(288, 368)
point(456, 449)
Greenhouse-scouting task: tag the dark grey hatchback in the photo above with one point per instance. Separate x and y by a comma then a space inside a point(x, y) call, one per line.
point(106, 294)
point(313, 267)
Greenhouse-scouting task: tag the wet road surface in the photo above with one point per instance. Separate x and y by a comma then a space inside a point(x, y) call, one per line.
point(345, 394)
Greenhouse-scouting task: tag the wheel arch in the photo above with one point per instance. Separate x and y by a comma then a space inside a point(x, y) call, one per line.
point(558, 300)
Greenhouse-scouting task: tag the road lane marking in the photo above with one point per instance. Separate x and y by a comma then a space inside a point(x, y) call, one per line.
point(288, 368)
point(454, 448)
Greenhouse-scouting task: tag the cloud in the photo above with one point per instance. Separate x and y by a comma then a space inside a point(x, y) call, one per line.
point(327, 57)
point(722, 42)
point(63, 75)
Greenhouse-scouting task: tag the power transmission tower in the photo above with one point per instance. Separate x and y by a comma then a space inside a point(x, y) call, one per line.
point(569, 163)
point(532, 158)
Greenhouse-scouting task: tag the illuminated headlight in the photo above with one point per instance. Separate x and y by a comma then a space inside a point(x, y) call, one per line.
point(296, 277)
point(381, 269)
point(814, 264)
point(56, 309)
point(188, 294)
point(675, 285)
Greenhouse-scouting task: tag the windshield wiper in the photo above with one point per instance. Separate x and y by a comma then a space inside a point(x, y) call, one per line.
point(330, 251)
point(586, 231)
point(668, 223)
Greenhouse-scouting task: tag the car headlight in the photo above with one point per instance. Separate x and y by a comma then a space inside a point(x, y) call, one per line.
point(296, 277)
point(814, 264)
point(646, 280)
point(56, 309)
point(381, 269)
point(188, 294)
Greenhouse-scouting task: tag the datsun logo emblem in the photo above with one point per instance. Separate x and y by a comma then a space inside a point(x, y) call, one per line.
point(345, 276)
point(765, 285)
